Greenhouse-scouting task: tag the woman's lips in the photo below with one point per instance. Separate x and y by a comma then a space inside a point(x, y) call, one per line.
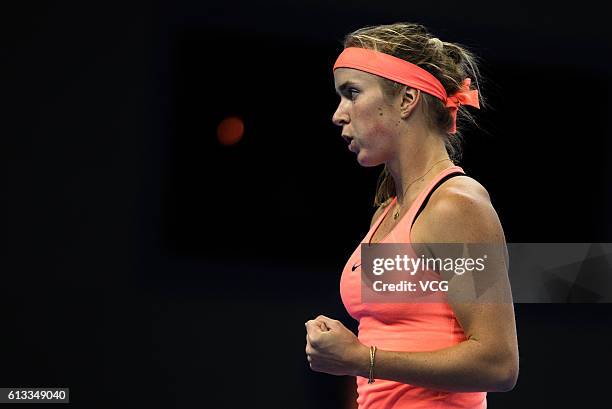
point(352, 146)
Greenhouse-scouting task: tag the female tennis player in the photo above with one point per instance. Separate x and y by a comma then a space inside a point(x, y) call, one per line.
point(402, 91)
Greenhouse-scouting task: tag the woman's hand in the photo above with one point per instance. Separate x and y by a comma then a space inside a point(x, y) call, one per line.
point(334, 349)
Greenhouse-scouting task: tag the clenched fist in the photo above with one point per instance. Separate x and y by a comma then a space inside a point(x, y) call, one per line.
point(334, 349)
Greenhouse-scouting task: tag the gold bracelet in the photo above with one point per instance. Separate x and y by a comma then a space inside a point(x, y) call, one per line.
point(372, 356)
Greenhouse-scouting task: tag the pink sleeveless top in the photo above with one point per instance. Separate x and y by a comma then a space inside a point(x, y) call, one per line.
point(403, 327)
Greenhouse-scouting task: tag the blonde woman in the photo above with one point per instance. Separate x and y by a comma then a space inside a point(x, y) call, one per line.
point(402, 91)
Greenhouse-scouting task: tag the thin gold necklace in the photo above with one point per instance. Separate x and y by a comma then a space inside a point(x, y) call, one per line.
point(397, 212)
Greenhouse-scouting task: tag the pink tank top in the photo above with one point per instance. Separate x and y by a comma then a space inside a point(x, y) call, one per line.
point(403, 326)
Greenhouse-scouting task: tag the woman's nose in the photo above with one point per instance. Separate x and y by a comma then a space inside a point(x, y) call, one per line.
point(340, 117)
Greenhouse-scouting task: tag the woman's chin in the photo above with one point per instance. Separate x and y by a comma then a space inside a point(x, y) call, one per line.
point(365, 160)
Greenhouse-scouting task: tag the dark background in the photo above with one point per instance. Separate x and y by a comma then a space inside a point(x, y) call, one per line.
point(148, 266)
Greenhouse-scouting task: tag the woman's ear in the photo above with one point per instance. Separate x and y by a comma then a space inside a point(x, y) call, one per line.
point(410, 99)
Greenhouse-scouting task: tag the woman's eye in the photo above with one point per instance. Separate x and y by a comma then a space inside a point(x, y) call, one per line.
point(349, 93)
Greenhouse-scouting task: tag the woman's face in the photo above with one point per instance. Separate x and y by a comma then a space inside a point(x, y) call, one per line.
point(368, 119)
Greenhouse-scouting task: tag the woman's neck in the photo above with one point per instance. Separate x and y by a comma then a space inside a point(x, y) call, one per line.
point(416, 164)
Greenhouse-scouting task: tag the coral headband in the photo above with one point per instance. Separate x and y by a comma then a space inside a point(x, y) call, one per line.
point(404, 72)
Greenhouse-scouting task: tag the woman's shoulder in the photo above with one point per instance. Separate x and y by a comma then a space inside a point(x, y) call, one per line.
point(460, 209)
point(461, 186)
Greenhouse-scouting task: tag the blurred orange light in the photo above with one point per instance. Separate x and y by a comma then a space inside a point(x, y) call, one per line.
point(230, 130)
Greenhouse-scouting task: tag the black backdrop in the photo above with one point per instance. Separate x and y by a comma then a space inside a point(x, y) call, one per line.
point(145, 264)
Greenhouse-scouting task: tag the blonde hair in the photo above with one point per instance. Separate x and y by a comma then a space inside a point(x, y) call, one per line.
point(450, 63)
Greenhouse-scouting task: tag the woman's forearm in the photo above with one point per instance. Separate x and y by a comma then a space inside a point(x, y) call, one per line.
point(465, 367)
